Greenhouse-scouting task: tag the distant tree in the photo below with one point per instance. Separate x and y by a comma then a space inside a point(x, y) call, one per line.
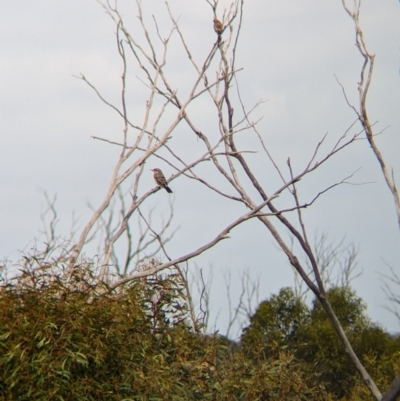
point(285, 322)
point(277, 321)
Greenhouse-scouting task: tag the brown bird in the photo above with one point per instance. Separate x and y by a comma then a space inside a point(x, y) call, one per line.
point(160, 179)
point(218, 26)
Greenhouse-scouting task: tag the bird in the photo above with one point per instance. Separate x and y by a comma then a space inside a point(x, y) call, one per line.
point(160, 180)
point(218, 26)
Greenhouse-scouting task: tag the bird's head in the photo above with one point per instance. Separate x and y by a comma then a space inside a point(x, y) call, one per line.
point(156, 170)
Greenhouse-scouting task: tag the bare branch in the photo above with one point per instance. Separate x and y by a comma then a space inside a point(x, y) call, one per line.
point(363, 88)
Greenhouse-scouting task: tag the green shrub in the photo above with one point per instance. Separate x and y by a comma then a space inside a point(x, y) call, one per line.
point(61, 342)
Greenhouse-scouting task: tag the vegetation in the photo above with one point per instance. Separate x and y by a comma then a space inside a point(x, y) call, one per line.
point(63, 344)
point(137, 343)
point(284, 321)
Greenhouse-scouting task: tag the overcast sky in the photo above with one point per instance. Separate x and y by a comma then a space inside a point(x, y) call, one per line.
point(290, 53)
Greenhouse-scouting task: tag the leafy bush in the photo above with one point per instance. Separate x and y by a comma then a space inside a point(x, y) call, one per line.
point(61, 342)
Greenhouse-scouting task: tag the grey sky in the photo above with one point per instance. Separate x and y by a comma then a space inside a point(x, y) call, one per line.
point(290, 53)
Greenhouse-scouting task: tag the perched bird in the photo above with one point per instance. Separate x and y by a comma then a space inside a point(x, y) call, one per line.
point(160, 179)
point(218, 27)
